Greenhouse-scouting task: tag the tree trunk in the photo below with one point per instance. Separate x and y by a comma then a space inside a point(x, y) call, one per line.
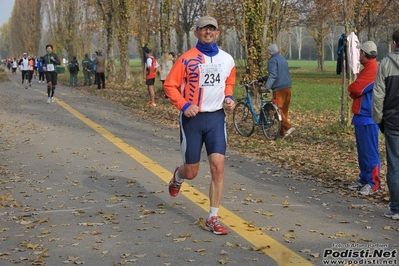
point(111, 70)
point(123, 40)
point(188, 40)
point(165, 25)
point(254, 25)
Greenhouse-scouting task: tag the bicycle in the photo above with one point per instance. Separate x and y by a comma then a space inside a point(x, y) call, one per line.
point(245, 116)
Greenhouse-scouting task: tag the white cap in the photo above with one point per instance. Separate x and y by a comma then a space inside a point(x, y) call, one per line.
point(368, 47)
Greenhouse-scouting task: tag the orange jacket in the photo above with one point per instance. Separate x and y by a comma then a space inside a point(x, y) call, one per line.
point(201, 80)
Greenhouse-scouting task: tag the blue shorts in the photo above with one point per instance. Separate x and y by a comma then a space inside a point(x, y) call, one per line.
point(208, 128)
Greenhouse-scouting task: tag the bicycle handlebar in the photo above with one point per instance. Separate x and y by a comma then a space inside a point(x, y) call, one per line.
point(248, 84)
point(260, 90)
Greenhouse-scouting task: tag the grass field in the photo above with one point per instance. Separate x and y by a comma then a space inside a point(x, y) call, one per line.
point(311, 90)
point(311, 65)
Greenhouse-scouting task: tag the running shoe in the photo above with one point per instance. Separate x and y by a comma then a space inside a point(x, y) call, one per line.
point(356, 186)
point(213, 225)
point(52, 99)
point(174, 186)
point(392, 215)
point(151, 104)
point(48, 99)
point(367, 190)
point(289, 132)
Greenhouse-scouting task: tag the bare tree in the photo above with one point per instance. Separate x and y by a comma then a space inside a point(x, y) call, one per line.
point(318, 16)
point(189, 13)
point(146, 24)
point(107, 10)
point(25, 23)
point(5, 40)
point(299, 36)
point(166, 22)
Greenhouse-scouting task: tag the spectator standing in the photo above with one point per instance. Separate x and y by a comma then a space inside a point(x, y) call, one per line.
point(279, 81)
point(166, 65)
point(366, 130)
point(50, 60)
point(73, 68)
point(87, 65)
point(386, 115)
point(100, 68)
point(94, 67)
point(151, 65)
point(200, 84)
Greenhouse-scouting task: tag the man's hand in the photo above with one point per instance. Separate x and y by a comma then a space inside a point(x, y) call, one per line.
point(191, 111)
point(230, 104)
point(381, 126)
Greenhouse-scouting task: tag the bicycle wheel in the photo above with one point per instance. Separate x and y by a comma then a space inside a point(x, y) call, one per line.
point(270, 120)
point(243, 119)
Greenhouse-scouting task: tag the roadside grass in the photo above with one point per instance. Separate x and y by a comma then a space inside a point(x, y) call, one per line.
point(4, 75)
point(321, 148)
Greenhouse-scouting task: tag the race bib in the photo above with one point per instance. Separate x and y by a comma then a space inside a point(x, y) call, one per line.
point(210, 74)
point(50, 67)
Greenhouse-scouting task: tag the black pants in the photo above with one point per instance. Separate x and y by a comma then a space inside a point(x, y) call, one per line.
point(100, 80)
point(41, 76)
point(30, 76)
point(25, 75)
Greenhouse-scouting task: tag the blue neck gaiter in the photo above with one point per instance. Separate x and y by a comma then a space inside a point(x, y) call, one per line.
point(208, 49)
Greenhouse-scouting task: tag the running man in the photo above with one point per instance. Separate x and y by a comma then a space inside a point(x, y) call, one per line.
point(50, 60)
point(200, 84)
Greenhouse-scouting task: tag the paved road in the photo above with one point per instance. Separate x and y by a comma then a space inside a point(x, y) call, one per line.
point(86, 183)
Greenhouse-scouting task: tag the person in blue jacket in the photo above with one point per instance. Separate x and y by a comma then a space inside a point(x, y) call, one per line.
point(366, 130)
point(279, 81)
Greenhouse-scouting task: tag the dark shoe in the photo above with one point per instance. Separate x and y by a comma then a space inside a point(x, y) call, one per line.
point(356, 186)
point(392, 215)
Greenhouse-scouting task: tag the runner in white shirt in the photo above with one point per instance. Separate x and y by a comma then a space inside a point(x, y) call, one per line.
point(24, 66)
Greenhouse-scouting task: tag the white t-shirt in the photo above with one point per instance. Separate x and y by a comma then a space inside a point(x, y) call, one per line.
point(25, 64)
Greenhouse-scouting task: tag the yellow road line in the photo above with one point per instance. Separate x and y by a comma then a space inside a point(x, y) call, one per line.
point(260, 240)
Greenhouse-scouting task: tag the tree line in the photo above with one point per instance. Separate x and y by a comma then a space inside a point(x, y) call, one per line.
point(79, 26)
